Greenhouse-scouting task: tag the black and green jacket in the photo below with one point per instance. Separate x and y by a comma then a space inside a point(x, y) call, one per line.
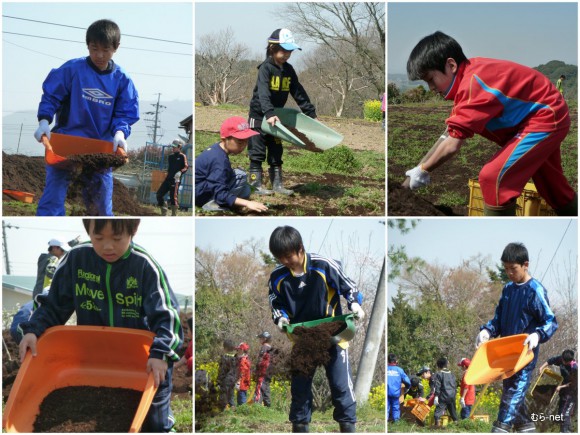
point(132, 292)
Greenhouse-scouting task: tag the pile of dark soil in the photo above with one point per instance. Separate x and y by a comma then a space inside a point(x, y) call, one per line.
point(403, 202)
point(311, 347)
point(543, 394)
point(28, 174)
point(88, 409)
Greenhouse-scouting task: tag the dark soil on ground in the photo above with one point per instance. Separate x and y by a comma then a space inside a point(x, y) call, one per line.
point(403, 202)
point(311, 347)
point(28, 174)
point(96, 409)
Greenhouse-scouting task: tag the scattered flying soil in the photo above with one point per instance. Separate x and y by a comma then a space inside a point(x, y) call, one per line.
point(28, 174)
point(358, 133)
point(311, 347)
point(310, 146)
point(96, 409)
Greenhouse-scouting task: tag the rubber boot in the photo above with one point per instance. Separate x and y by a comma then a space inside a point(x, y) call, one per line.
point(570, 209)
point(163, 210)
point(173, 210)
point(276, 180)
point(300, 428)
point(258, 188)
point(502, 210)
point(347, 427)
point(499, 427)
point(526, 428)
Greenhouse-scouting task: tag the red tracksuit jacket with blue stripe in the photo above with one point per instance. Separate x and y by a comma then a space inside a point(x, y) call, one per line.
point(498, 98)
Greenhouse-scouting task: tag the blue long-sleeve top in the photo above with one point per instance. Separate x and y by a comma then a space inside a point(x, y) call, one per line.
point(89, 102)
point(395, 377)
point(213, 175)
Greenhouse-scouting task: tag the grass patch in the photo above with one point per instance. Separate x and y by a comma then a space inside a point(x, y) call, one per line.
point(182, 411)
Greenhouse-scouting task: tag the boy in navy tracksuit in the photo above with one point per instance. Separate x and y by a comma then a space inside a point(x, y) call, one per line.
point(110, 281)
point(395, 377)
point(568, 390)
point(307, 287)
point(445, 390)
point(522, 309)
point(94, 98)
point(217, 185)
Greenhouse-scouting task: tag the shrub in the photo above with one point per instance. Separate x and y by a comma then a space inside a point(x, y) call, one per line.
point(372, 110)
point(342, 159)
point(377, 397)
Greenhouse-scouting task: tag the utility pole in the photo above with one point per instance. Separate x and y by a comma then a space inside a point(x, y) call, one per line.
point(375, 331)
point(5, 245)
point(155, 120)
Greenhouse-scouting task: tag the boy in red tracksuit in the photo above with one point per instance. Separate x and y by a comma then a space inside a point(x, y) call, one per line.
point(467, 392)
point(244, 373)
point(510, 104)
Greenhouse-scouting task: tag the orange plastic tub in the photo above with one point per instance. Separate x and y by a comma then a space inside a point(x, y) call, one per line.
point(61, 146)
point(498, 359)
point(19, 196)
point(95, 356)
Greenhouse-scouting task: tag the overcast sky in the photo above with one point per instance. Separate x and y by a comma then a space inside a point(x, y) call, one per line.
point(527, 33)
point(169, 241)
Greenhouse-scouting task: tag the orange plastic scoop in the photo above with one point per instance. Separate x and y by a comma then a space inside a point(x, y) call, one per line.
point(498, 359)
point(19, 195)
point(61, 146)
point(96, 356)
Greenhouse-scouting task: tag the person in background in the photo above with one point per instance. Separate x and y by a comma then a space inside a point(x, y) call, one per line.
point(466, 392)
point(176, 167)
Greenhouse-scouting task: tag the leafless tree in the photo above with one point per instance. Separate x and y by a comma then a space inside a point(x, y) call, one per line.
point(360, 25)
point(218, 68)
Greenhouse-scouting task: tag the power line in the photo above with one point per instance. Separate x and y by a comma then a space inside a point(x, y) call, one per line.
point(82, 42)
point(558, 247)
point(82, 28)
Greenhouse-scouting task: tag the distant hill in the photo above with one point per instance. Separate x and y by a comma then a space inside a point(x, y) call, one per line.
point(552, 70)
point(555, 68)
point(169, 118)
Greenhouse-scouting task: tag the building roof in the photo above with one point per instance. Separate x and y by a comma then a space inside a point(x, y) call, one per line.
point(19, 282)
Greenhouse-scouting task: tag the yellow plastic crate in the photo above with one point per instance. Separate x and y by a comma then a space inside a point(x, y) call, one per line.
point(481, 417)
point(529, 203)
point(421, 411)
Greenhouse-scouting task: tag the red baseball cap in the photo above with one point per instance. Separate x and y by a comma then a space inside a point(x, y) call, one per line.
point(237, 127)
point(465, 362)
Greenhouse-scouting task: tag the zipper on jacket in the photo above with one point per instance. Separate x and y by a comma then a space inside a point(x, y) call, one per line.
point(108, 284)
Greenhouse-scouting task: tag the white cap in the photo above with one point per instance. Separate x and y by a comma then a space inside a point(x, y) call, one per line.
point(58, 243)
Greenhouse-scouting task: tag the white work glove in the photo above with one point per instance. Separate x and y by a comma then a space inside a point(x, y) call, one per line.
point(281, 322)
point(42, 130)
point(462, 402)
point(418, 176)
point(357, 311)
point(532, 340)
point(237, 385)
point(119, 141)
point(482, 337)
point(436, 401)
point(177, 176)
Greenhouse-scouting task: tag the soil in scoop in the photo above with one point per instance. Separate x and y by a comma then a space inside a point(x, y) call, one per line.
point(543, 393)
point(311, 347)
point(310, 146)
point(88, 409)
point(98, 161)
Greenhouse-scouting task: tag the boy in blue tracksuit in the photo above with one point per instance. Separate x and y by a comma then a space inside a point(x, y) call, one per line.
point(522, 309)
point(111, 281)
point(94, 98)
point(395, 377)
point(307, 287)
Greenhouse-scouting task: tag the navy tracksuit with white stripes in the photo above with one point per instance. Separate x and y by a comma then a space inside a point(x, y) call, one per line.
point(522, 309)
point(312, 295)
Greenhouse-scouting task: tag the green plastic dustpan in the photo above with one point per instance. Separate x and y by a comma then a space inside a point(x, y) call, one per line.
point(320, 135)
point(345, 334)
point(498, 359)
